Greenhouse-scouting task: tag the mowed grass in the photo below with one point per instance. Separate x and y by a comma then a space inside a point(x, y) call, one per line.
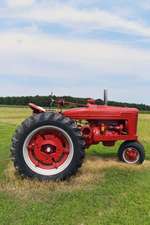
point(104, 192)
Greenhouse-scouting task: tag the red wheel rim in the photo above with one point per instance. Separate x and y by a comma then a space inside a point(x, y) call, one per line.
point(48, 149)
point(131, 155)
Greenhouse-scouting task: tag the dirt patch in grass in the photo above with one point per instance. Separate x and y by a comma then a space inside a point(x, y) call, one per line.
point(91, 173)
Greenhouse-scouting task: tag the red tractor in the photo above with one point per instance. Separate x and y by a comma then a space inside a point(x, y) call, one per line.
point(51, 145)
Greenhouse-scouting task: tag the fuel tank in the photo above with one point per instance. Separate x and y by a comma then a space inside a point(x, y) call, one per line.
point(96, 112)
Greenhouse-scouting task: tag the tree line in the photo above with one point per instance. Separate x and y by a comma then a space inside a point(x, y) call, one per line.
point(46, 102)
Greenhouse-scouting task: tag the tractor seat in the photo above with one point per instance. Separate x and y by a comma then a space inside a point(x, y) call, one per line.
point(36, 108)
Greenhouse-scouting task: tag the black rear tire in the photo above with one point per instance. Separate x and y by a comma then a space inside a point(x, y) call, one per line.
point(47, 119)
point(137, 154)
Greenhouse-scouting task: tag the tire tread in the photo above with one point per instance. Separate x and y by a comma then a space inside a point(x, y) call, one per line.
point(32, 122)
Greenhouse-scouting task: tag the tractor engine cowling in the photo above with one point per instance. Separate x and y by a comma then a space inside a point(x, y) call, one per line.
point(105, 124)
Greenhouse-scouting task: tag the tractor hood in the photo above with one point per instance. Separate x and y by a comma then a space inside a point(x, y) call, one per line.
point(95, 112)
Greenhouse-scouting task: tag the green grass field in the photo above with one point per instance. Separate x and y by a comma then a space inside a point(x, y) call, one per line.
point(104, 192)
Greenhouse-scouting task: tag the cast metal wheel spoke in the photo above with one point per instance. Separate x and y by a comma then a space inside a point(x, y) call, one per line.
point(38, 140)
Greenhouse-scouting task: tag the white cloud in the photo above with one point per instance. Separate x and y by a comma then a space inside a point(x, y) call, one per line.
point(19, 3)
point(33, 55)
point(86, 20)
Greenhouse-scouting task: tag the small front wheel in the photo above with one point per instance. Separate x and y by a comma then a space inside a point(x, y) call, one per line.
point(131, 152)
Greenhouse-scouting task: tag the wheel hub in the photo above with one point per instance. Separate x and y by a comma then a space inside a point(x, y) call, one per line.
point(131, 155)
point(48, 150)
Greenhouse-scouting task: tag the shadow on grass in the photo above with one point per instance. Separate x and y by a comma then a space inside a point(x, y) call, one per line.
point(102, 152)
point(103, 155)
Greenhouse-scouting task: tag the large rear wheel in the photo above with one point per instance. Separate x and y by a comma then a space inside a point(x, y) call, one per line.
point(48, 146)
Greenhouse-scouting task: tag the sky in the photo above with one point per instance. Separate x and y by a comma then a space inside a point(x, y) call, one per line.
point(75, 47)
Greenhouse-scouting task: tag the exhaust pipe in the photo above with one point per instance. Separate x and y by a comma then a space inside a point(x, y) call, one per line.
point(105, 97)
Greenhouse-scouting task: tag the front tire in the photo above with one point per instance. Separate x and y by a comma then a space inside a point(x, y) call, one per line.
point(131, 152)
point(48, 146)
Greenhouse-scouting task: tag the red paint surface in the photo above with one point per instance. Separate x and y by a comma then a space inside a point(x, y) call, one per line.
point(99, 118)
point(44, 141)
